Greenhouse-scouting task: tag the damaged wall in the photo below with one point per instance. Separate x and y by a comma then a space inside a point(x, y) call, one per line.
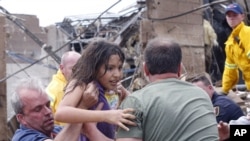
point(20, 42)
point(187, 30)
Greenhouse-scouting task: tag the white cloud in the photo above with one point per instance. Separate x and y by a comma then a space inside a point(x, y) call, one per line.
point(51, 11)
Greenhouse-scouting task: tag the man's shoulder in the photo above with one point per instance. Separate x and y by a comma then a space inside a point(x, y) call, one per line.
point(245, 31)
point(221, 97)
point(246, 27)
point(224, 101)
point(58, 81)
point(171, 83)
point(56, 85)
point(28, 134)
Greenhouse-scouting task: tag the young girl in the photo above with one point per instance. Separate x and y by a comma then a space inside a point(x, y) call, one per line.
point(102, 63)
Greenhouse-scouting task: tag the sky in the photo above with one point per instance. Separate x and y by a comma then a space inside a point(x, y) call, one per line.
point(52, 11)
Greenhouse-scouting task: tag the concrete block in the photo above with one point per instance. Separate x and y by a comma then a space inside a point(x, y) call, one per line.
point(195, 19)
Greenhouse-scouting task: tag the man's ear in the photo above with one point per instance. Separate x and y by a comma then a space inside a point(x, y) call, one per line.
point(20, 118)
point(61, 67)
point(145, 69)
point(210, 87)
point(179, 70)
point(243, 16)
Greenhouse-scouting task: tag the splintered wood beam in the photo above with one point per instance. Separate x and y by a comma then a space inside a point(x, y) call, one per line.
point(3, 92)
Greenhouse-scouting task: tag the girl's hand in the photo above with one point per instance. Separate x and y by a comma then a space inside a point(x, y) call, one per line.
point(122, 92)
point(121, 117)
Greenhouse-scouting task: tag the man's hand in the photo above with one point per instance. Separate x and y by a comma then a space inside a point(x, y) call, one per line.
point(224, 131)
point(89, 96)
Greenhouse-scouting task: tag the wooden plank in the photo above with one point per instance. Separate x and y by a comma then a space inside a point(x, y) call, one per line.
point(3, 96)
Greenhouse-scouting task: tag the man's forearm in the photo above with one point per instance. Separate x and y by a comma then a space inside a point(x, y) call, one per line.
point(70, 132)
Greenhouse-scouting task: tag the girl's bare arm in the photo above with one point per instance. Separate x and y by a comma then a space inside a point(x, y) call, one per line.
point(82, 97)
point(67, 111)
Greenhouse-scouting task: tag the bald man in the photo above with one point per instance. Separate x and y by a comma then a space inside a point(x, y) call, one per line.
point(60, 79)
